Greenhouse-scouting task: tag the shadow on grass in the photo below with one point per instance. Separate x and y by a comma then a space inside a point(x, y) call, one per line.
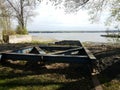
point(76, 85)
point(76, 78)
point(109, 65)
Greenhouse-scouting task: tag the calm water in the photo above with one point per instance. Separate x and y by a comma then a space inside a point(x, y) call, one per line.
point(83, 37)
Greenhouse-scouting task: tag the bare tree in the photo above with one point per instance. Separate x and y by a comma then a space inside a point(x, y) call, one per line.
point(23, 10)
point(5, 16)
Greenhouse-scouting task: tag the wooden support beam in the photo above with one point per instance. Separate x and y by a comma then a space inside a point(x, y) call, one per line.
point(59, 48)
point(66, 52)
point(46, 58)
point(44, 47)
point(37, 50)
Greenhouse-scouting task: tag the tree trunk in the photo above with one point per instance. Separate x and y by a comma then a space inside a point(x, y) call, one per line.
point(21, 13)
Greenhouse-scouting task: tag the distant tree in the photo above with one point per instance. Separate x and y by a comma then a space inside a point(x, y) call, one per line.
point(22, 10)
point(5, 15)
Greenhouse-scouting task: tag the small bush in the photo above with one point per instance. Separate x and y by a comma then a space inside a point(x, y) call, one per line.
point(21, 31)
point(6, 34)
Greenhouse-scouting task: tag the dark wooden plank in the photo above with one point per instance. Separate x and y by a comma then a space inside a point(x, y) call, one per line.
point(66, 52)
point(67, 59)
point(46, 58)
point(69, 42)
point(57, 48)
point(18, 56)
point(43, 47)
point(91, 56)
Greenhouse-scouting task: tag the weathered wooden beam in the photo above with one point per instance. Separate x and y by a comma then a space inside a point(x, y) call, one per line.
point(46, 58)
point(91, 56)
point(69, 42)
point(19, 56)
point(44, 47)
point(55, 47)
point(67, 59)
point(67, 52)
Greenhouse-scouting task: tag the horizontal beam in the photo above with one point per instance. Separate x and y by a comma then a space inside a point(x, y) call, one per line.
point(46, 58)
point(49, 48)
point(66, 52)
point(58, 47)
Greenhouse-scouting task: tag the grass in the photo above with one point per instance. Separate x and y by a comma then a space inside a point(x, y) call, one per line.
point(109, 64)
point(31, 82)
point(110, 84)
point(16, 77)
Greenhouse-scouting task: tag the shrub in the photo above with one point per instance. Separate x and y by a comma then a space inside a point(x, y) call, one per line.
point(6, 34)
point(21, 31)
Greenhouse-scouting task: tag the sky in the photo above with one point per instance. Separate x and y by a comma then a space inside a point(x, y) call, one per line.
point(48, 18)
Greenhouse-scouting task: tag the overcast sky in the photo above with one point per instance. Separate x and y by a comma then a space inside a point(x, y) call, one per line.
point(49, 18)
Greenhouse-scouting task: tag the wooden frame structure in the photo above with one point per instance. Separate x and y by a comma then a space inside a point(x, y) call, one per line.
point(58, 53)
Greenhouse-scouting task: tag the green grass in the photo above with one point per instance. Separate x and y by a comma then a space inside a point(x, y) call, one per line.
point(16, 78)
point(29, 83)
point(110, 84)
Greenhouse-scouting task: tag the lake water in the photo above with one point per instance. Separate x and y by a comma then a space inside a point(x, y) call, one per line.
point(83, 37)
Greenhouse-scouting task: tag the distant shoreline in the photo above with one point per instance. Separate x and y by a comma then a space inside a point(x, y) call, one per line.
point(111, 36)
point(113, 31)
